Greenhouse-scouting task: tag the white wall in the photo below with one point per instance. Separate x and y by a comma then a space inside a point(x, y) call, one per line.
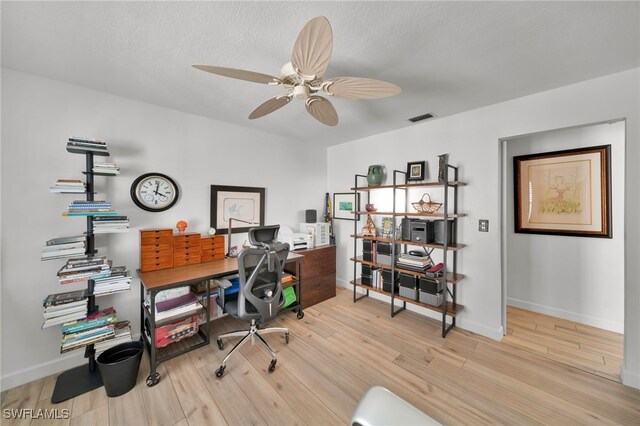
point(472, 140)
point(579, 279)
point(38, 116)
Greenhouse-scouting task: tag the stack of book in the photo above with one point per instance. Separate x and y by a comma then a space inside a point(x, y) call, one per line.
point(82, 145)
point(122, 335)
point(57, 248)
point(414, 263)
point(119, 280)
point(177, 306)
point(89, 208)
point(106, 168)
point(82, 269)
point(66, 186)
point(110, 224)
point(64, 307)
point(95, 328)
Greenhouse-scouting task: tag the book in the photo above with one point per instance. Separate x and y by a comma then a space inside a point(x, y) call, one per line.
point(177, 302)
point(90, 140)
point(54, 308)
point(63, 246)
point(62, 319)
point(104, 317)
point(109, 218)
point(62, 312)
point(90, 213)
point(67, 297)
point(66, 240)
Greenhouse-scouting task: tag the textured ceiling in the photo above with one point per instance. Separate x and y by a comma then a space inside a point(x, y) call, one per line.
point(447, 57)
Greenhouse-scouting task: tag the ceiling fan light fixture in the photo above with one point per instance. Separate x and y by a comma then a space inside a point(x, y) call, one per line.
point(302, 77)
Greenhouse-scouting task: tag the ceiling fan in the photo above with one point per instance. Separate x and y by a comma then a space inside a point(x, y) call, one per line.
point(302, 77)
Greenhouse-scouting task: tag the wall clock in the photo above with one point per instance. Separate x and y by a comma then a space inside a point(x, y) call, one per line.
point(154, 192)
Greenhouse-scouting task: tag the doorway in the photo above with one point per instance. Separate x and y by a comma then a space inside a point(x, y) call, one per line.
point(563, 296)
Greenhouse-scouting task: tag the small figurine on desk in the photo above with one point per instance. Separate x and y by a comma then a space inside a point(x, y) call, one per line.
point(181, 225)
point(369, 229)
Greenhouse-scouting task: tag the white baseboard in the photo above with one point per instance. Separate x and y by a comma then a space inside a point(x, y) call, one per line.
point(605, 324)
point(45, 369)
point(475, 327)
point(629, 378)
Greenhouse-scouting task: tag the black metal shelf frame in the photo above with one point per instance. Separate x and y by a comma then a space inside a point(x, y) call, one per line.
point(448, 265)
point(83, 378)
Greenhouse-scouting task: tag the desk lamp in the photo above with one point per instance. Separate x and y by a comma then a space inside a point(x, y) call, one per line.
point(229, 233)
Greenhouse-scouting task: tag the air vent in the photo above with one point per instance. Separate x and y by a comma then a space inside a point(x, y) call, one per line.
point(421, 117)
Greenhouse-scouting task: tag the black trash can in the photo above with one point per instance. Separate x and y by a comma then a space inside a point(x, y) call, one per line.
point(119, 367)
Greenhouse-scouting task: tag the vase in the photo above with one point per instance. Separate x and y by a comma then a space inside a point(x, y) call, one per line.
point(442, 166)
point(375, 175)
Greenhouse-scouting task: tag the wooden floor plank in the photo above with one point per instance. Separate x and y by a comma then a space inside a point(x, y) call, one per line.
point(340, 349)
point(23, 397)
point(97, 417)
point(197, 404)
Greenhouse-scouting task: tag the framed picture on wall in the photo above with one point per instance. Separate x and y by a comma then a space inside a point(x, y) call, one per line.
point(344, 204)
point(238, 202)
point(564, 192)
point(416, 171)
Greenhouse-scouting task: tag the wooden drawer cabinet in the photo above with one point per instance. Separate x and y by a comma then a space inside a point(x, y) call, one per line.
point(212, 248)
point(187, 249)
point(156, 249)
point(318, 274)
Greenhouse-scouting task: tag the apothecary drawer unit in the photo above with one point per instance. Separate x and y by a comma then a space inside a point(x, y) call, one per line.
point(187, 249)
point(212, 248)
point(156, 249)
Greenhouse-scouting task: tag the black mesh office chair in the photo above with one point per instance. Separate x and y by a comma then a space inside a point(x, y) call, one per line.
point(260, 294)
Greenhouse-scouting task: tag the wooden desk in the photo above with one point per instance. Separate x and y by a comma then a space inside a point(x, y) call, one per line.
point(155, 281)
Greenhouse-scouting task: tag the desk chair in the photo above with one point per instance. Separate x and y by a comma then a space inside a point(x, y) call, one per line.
point(260, 294)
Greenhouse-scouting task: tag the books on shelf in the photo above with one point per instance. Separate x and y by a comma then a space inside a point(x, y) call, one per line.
point(106, 168)
point(105, 317)
point(68, 186)
point(87, 145)
point(119, 280)
point(89, 206)
point(71, 341)
point(176, 306)
point(79, 270)
point(122, 334)
point(64, 307)
point(60, 250)
point(110, 224)
point(415, 263)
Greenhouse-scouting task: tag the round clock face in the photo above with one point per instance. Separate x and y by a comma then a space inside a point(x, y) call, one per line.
point(154, 192)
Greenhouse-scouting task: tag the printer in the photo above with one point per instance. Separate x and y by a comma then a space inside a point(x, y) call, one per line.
point(296, 240)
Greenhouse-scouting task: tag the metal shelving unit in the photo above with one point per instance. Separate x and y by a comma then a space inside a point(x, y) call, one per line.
point(450, 276)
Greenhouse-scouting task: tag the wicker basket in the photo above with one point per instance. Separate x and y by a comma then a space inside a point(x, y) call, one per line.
point(426, 206)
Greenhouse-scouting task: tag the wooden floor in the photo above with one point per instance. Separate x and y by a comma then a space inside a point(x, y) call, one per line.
point(337, 352)
point(588, 348)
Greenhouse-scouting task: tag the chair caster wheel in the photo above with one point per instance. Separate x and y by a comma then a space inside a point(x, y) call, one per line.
point(153, 379)
point(272, 365)
point(286, 338)
point(220, 344)
point(300, 314)
point(220, 371)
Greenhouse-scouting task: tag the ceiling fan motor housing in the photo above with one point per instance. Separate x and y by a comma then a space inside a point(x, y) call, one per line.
point(301, 92)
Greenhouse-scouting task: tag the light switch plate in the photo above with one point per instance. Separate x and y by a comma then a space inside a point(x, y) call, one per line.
point(483, 225)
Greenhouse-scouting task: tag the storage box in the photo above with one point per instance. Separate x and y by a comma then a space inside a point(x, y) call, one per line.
point(368, 270)
point(385, 249)
point(431, 299)
point(386, 281)
point(384, 259)
point(438, 231)
point(176, 331)
point(368, 245)
point(430, 285)
point(368, 256)
point(366, 280)
point(408, 286)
